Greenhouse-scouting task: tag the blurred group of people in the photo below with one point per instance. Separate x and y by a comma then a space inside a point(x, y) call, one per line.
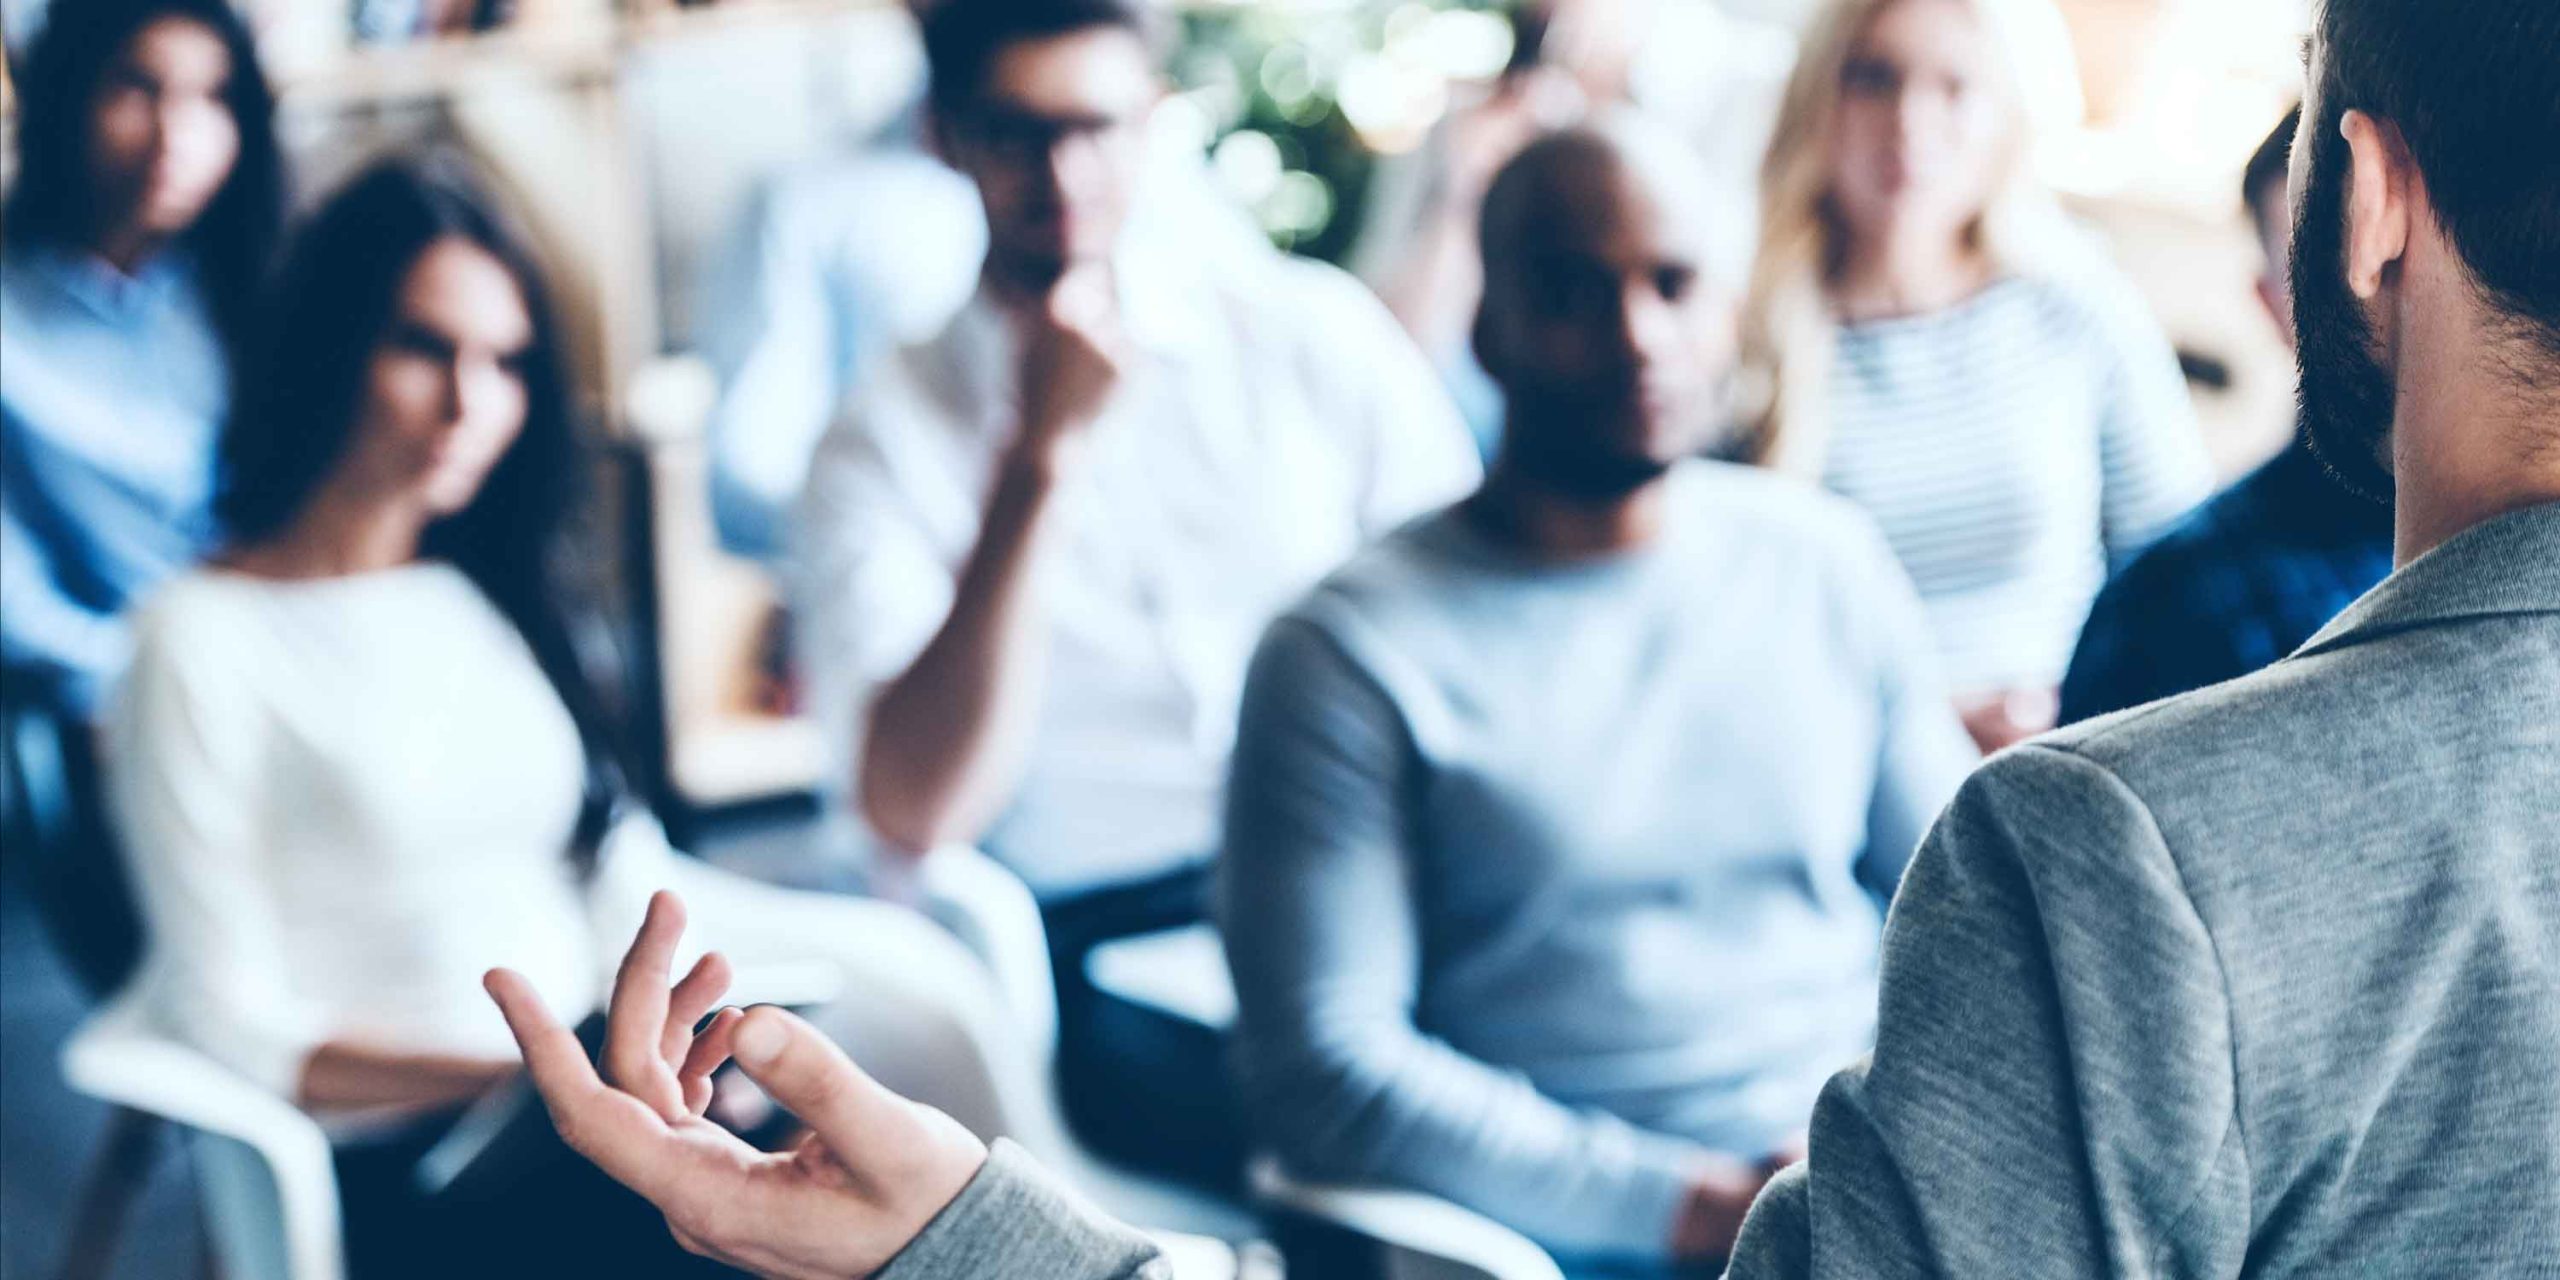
point(1548, 785)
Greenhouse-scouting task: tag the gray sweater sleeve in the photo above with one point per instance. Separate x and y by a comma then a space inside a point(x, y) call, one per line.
point(1014, 1222)
point(1317, 906)
point(2052, 1090)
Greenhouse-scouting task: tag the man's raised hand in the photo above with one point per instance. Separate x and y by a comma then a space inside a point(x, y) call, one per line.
point(871, 1173)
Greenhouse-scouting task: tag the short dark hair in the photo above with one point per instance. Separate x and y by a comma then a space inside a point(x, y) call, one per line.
point(2262, 185)
point(53, 202)
point(2474, 88)
point(963, 38)
point(302, 398)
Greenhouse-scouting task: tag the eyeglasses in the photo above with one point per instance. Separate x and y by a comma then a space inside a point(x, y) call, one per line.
point(1019, 138)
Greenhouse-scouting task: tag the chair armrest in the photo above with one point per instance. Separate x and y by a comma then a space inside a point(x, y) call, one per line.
point(993, 912)
point(1197, 1257)
point(1180, 973)
point(119, 1058)
point(724, 897)
point(1425, 1235)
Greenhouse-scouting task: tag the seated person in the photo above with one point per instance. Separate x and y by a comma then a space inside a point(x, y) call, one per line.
point(1035, 552)
point(2254, 573)
point(1942, 348)
point(1697, 66)
point(147, 202)
point(1563, 822)
point(356, 757)
point(841, 261)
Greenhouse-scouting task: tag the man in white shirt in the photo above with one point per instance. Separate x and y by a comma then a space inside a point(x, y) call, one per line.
point(843, 260)
point(1035, 553)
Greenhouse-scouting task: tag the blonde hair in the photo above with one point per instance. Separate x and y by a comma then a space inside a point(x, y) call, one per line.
point(1789, 334)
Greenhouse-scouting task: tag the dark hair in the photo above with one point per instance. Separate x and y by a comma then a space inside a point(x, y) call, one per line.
point(2262, 184)
point(2474, 88)
point(54, 203)
point(302, 398)
point(963, 38)
point(1530, 26)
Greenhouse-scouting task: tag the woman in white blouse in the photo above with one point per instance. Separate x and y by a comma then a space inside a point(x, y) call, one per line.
point(356, 763)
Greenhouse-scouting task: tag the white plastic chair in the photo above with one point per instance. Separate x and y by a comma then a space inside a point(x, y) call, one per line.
point(264, 1168)
point(1420, 1237)
point(993, 913)
point(1184, 973)
point(270, 1192)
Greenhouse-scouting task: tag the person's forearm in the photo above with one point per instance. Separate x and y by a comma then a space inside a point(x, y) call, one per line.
point(345, 1074)
point(946, 739)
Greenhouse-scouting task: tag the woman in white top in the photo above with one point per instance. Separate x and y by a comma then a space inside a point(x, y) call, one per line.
point(356, 764)
point(1944, 350)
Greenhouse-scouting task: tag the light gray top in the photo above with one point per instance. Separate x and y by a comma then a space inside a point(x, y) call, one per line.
point(2255, 982)
point(1545, 881)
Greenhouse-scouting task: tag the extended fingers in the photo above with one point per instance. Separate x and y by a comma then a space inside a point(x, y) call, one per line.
point(551, 1052)
point(638, 1024)
point(701, 989)
point(598, 1123)
point(709, 1051)
point(693, 1172)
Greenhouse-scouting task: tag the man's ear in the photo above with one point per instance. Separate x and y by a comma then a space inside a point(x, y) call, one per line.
point(2381, 200)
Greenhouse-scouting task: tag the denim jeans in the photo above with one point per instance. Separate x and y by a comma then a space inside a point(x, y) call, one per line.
point(1142, 1087)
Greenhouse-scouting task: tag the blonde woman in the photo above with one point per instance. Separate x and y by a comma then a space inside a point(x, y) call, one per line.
point(1945, 351)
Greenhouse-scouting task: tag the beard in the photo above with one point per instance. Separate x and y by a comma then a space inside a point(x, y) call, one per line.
point(1583, 475)
point(1549, 439)
point(2347, 393)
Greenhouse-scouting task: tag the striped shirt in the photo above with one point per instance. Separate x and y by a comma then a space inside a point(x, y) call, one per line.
point(2013, 448)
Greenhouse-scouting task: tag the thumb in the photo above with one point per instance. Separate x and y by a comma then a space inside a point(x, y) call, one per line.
point(810, 1078)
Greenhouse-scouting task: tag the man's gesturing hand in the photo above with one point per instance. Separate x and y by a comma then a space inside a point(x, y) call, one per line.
point(871, 1173)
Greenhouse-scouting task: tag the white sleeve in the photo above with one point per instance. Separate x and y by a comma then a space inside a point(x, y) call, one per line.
point(1419, 454)
point(186, 771)
point(870, 584)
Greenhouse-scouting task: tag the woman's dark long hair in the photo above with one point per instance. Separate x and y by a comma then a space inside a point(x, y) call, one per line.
point(54, 201)
point(302, 398)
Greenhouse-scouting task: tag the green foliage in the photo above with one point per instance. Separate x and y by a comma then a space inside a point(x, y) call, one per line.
point(1298, 99)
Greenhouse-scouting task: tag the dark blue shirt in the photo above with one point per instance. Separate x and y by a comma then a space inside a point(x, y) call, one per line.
point(2242, 582)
